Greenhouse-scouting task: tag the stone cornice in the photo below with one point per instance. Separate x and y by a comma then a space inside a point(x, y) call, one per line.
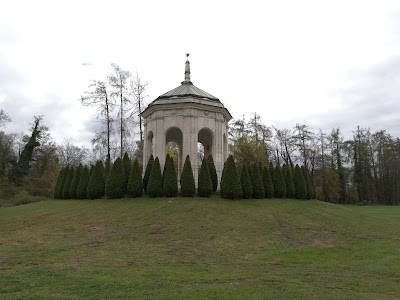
point(187, 104)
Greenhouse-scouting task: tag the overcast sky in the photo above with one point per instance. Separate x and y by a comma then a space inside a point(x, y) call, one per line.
point(321, 63)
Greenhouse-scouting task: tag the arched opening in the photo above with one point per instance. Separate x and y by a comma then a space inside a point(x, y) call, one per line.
point(173, 147)
point(200, 154)
point(205, 143)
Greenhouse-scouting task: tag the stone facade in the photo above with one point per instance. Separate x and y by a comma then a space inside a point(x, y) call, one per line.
point(186, 116)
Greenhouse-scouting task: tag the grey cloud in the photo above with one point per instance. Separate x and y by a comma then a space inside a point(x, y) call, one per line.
point(372, 101)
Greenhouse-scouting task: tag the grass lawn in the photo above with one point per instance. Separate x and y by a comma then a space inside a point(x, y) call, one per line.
point(195, 248)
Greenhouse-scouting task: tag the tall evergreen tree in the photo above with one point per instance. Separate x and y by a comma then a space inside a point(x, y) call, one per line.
point(245, 182)
point(107, 169)
point(204, 184)
point(147, 172)
point(58, 183)
point(188, 186)
point(166, 164)
point(62, 183)
point(271, 171)
point(230, 183)
point(67, 185)
point(313, 191)
point(290, 189)
point(21, 168)
point(256, 181)
point(213, 172)
point(299, 183)
point(284, 169)
point(115, 186)
point(307, 181)
point(267, 182)
point(135, 182)
point(75, 181)
point(83, 183)
point(260, 169)
point(279, 183)
point(127, 168)
point(154, 188)
point(96, 185)
point(170, 180)
point(222, 182)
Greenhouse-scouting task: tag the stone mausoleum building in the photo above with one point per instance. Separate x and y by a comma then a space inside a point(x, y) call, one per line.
point(186, 116)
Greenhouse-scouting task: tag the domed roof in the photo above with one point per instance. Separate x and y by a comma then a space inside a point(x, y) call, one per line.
point(187, 92)
point(187, 88)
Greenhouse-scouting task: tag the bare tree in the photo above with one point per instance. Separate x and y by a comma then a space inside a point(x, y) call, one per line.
point(118, 81)
point(304, 137)
point(98, 96)
point(69, 154)
point(237, 129)
point(285, 143)
point(138, 90)
point(4, 118)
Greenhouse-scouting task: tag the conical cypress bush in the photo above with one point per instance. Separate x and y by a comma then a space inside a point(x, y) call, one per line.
point(75, 182)
point(279, 183)
point(307, 181)
point(230, 182)
point(166, 164)
point(313, 192)
point(154, 188)
point(213, 172)
point(299, 183)
point(96, 185)
point(107, 168)
point(204, 184)
point(170, 183)
point(245, 182)
point(127, 169)
point(67, 185)
point(222, 187)
point(250, 171)
point(147, 172)
point(271, 171)
point(59, 182)
point(290, 189)
point(284, 168)
point(188, 186)
point(260, 169)
point(267, 182)
point(83, 183)
point(256, 181)
point(115, 186)
point(135, 182)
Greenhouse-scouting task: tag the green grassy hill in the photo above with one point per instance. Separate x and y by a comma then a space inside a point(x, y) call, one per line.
point(199, 249)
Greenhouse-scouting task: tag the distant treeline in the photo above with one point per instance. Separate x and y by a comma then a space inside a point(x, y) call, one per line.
point(363, 169)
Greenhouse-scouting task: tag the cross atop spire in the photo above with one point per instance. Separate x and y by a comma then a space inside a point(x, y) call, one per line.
point(187, 70)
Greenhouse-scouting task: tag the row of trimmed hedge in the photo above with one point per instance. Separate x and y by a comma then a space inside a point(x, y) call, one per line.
point(259, 181)
point(125, 179)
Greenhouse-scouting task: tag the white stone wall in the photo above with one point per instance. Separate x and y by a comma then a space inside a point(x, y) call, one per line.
point(190, 118)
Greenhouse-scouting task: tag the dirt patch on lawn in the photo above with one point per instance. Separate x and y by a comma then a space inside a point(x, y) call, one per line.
point(320, 244)
point(94, 228)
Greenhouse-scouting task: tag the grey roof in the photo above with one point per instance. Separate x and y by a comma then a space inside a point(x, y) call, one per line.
point(188, 89)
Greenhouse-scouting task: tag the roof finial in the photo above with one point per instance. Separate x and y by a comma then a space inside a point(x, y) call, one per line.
point(187, 69)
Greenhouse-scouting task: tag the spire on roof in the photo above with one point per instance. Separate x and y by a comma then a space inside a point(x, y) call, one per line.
point(187, 70)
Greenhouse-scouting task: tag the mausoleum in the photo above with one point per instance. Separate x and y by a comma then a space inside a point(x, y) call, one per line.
point(186, 116)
